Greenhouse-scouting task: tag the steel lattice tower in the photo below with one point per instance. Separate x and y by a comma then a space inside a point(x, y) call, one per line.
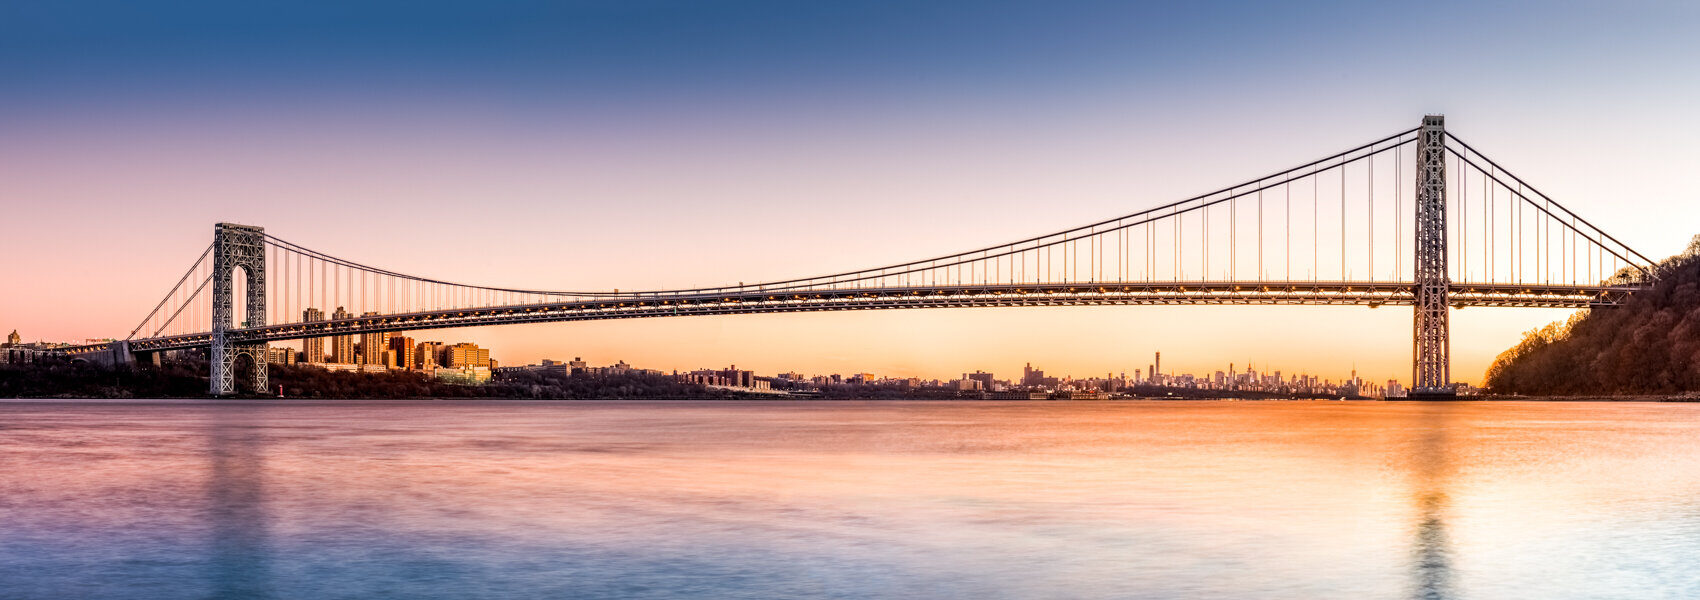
point(1431, 366)
point(237, 246)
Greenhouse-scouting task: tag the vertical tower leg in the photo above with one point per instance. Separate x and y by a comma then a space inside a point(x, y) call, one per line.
point(261, 376)
point(223, 364)
point(1431, 368)
point(237, 246)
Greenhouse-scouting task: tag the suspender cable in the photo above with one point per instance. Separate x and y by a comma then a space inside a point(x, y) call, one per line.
point(192, 267)
point(1204, 242)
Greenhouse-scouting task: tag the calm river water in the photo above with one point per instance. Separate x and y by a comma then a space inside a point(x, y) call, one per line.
point(483, 499)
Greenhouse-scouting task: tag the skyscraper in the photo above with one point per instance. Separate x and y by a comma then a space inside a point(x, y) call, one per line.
point(313, 349)
point(342, 346)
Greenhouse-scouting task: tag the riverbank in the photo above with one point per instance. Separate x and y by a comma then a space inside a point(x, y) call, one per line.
point(66, 379)
point(1685, 397)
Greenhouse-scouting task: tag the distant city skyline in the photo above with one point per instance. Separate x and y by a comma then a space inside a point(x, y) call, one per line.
point(399, 350)
point(601, 147)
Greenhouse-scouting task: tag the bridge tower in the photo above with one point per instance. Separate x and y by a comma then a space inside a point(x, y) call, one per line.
point(237, 246)
point(1431, 367)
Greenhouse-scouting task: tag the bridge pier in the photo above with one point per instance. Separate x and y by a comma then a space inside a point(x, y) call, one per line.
point(121, 355)
point(1431, 376)
point(223, 364)
point(245, 247)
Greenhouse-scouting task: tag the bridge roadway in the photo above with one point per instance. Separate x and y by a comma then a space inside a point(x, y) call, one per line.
point(751, 300)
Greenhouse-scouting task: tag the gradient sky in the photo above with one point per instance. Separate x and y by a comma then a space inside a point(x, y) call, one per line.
point(634, 144)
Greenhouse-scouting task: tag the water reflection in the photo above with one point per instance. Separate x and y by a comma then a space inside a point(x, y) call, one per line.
point(483, 499)
point(1431, 469)
point(238, 562)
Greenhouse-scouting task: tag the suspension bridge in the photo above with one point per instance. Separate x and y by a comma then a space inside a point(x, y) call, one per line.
point(1417, 218)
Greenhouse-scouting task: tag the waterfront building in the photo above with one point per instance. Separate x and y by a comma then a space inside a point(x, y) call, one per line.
point(373, 346)
point(15, 352)
point(1079, 395)
point(576, 366)
point(342, 346)
point(402, 352)
point(428, 355)
point(728, 377)
point(548, 365)
point(466, 354)
point(1018, 395)
point(280, 355)
point(313, 349)
point(739, 378)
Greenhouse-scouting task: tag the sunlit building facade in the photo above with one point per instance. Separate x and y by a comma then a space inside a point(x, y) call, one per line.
point(342, 346)
point(312, 349)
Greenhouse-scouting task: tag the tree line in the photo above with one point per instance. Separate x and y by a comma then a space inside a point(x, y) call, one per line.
point(1649, 345)
point(187, 378)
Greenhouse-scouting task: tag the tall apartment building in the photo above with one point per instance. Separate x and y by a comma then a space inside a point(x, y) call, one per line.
point(374, 346)
point(342, 346)
point(313, 349)
point(402, 350)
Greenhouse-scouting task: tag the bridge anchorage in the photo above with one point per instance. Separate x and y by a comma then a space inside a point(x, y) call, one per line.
point(1478, 235)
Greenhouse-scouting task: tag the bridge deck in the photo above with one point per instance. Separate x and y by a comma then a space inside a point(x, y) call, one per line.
point(753, 300)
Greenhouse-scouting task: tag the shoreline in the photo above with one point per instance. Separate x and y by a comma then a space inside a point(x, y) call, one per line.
point(1649, 398)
